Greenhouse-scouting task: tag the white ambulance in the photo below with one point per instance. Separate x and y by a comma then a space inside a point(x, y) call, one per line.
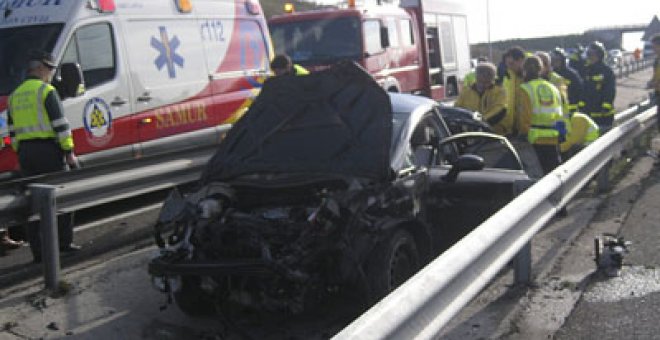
point(157, 75)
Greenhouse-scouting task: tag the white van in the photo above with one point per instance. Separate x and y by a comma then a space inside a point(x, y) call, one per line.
point(158, 75)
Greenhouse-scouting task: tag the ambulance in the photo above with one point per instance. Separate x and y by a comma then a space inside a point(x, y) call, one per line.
point(138, 77)
point(411, 46)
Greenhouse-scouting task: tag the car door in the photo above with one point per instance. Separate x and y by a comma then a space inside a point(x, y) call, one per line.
point(98, 115)
point(457, 206)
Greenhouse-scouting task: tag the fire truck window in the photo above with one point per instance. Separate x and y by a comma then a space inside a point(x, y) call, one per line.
point(407, 38)
point(92, 47)
point(393, 33)
point(372, 37)
point(447, 42)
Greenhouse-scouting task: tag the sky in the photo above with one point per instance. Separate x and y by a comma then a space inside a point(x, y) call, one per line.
point(524, 19)
point(510, 19)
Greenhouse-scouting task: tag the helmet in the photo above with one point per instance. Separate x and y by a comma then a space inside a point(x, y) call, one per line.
point(559, 52)
point(598, 48)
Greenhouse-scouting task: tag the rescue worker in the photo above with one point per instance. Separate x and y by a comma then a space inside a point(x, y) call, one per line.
point(541, 118)
point(654, 83)
point(583, 131)
point(282, 65)
point(576, 60)
point(572, 79)
point(485, 97)
point(514, 58)
point(42, 138)
point(555, 79)
point(599, 88)
point(471, 77)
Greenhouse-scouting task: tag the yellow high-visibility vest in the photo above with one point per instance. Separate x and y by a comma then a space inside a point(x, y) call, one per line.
point(30, 118)
point(546, 110)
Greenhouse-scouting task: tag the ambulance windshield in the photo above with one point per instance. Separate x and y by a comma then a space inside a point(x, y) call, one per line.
point(15, 45)
point(318, 42)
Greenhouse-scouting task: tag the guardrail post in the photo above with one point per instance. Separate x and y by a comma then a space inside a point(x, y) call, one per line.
point(603, 179)
point(43, 203)
point(522, 265)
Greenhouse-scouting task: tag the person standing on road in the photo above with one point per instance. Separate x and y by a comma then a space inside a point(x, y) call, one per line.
point(485, 97)
point(514, 58)
point(571, 78)
point(654, 83)
point(576, 61)
point(42, 138)
point(541, 117)
point(599, 88)
point(282, 65)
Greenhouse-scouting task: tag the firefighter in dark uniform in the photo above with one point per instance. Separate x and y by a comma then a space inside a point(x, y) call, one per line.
point(599, 88)
point(571, 78)
point(42, 138)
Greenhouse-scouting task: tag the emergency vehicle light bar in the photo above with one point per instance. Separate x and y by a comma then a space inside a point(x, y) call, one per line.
point(103, 6)
point(184, 6)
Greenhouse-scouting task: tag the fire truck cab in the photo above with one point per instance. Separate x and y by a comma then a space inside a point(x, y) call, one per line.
point(157, 75)
point(415, 46)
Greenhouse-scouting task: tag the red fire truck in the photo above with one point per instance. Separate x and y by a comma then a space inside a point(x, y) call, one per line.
point(415, 46)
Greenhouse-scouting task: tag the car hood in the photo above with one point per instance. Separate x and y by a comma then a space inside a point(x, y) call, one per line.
point(337, 122)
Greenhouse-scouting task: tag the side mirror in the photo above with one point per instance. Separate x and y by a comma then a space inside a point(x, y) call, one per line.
point(384, 38)
point(69, 82)
point(464, 163)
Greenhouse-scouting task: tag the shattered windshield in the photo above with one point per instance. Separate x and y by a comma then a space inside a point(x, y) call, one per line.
point(318, 42)
point(15, 44)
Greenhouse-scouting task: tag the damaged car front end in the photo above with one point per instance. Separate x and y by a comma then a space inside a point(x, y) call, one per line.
point(299, 202)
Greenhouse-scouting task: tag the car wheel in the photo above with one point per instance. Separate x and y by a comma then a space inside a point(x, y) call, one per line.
point(192, 300)
point(391, 264)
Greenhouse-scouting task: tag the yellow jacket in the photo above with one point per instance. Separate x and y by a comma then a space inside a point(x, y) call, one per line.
point(656, 75)
point(583, 131)
point(491, 104)
point(512, 88)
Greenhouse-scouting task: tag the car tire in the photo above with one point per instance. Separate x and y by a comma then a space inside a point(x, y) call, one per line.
point(392, 262)
point(192, 300)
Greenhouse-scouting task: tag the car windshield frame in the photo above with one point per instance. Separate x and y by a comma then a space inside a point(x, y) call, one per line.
point(15, 45)
point(319, 41)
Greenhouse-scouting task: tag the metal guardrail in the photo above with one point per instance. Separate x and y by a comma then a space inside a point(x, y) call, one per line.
point(624, 69)
point(424, 304)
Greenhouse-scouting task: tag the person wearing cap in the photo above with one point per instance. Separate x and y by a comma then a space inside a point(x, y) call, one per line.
point(41, 136)
point(571, 78)
point(599, 88)
point(282, 65)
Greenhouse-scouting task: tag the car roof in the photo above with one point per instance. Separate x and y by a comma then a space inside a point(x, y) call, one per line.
point(408, 103)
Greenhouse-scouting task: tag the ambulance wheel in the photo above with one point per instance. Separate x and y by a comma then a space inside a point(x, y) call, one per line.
point(192, 300)
point(393, 261)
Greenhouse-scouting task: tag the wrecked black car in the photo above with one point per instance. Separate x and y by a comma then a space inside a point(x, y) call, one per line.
point(327, 185)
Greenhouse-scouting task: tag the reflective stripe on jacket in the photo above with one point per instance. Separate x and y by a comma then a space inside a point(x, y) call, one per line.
point(546, 112)
point(30, 119)
point(299, 70)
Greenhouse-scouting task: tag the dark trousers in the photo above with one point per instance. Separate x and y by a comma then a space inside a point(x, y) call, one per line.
point(38, 157)
point(549, 156)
